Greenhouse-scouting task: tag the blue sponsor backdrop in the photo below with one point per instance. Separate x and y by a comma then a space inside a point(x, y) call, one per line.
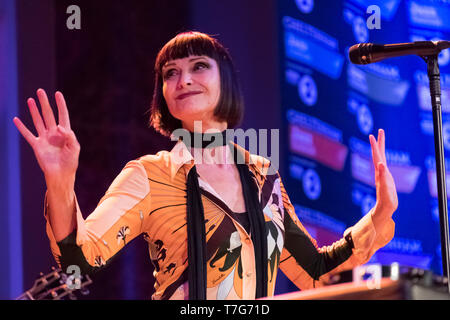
point(331, 106)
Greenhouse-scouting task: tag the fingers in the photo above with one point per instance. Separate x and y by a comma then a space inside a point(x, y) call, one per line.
point(375, 151)
point(63, 113)
point(24, 131)
point(47, 112)
point(378, 148)
point(37, 120)
point(381, 144)
point(49, 121)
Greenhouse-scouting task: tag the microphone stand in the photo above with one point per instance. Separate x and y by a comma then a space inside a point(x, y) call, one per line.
point(435, 92)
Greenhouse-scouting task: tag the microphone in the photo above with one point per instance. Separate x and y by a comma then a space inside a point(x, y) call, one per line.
point(365, 53)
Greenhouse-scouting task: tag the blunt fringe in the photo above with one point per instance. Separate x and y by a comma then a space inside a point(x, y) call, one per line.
point(230, 107)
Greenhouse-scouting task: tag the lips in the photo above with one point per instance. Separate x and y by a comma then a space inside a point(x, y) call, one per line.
point(187, 94)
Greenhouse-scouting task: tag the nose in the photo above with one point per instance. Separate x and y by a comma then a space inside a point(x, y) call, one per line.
point(184, 80)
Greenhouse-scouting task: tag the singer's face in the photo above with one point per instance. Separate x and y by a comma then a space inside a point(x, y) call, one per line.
point(191, 88)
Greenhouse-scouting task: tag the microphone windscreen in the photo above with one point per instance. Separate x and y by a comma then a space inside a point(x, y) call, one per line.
point(359, 54)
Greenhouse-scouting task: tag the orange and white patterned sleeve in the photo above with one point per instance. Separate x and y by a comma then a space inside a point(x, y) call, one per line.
point(118, 218)
point(308, 266)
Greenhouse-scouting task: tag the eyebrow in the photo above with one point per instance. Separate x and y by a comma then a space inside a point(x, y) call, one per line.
point(173, 63)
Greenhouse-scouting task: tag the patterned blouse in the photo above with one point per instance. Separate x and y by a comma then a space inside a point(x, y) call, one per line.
point(148, 198)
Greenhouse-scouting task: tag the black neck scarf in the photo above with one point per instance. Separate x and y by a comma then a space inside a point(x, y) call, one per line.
point(196, 221)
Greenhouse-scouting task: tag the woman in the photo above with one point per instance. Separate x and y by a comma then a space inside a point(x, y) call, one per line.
point(217, 222)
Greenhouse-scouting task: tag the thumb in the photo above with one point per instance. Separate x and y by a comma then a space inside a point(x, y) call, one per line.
point(381, 168)
point(62, 130)
point(71, 139)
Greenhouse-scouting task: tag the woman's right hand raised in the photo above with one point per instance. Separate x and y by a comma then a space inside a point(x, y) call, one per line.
point(56, 147)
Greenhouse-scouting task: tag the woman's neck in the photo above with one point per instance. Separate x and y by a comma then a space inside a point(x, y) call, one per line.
point(205, 126)
point(220, 156)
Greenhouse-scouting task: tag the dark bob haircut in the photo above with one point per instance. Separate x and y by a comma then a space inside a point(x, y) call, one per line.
point(230, 107)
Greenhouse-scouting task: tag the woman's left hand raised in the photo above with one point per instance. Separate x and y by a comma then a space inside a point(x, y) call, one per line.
point(387, 200)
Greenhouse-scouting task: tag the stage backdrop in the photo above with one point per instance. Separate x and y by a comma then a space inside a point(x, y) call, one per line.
point(330, 107)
